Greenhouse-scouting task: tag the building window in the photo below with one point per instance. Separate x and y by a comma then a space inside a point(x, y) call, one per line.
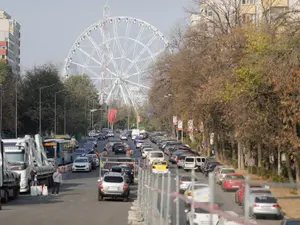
point(248, 2)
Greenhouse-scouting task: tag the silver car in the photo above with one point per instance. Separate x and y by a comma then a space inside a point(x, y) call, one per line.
point(264, 205)
point(114, 185)
point(184, 183)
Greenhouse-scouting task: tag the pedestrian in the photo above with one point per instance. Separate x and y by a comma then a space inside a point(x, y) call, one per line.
point(57, 178)
point(33, 175)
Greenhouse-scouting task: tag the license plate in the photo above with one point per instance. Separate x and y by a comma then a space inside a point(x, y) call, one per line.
point(235, 186)
point(265, 207)
point(113, 188)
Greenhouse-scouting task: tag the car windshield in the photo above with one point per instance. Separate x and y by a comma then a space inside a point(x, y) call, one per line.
point(15, 156)
point(235, 177)
point(186, 179)
point(113, 179)
point(189, 159)
point(266, 199)
point(261, 191)
point(157, 155)
point(81, 160)
point(225, 171)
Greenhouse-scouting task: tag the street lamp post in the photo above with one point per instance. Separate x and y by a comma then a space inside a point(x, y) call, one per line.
point(65, 117)
point(55, 110)
point(173, 130)
point(40, 107)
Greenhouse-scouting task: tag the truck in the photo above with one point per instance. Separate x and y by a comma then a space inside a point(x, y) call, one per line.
point(27, 155)
point(9, 181)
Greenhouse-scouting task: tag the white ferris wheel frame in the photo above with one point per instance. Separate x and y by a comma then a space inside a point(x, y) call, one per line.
point(127, 95)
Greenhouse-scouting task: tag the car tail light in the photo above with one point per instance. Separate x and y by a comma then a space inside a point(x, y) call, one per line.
point(101, 185)
point(125, 187)
point(176, 161)
point(255, 205)
point(153, 167)
point(181, 182)
point(167, 167)
point(276, 206)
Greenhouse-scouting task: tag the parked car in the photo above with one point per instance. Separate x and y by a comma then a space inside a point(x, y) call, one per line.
point(113, 185)
point(232, 181)
point(239, 194)
point(220, 176)
point(264, 205)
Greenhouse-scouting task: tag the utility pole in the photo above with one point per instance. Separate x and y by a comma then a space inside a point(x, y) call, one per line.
point(65, 118)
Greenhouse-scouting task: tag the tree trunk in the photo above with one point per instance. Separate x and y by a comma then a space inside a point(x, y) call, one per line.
point(239, 153)
point(222, 142)
point(289, 167)
point(259, 155)
point(279, 160)
point(233, 150)
point(297, 167)
point(242, 157)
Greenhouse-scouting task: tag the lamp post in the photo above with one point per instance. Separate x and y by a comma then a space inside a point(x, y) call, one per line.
point(55, 110)
point(40, 103)
point(92, 117)
point(16, 111)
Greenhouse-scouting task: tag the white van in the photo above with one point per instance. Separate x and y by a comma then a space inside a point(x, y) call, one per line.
point(189, 163)
point(155, 155)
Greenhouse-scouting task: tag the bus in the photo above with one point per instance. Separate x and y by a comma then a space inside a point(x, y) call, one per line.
point(60, 151)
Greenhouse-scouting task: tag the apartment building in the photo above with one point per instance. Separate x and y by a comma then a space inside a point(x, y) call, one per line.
point(247, 11)
point(10, 41)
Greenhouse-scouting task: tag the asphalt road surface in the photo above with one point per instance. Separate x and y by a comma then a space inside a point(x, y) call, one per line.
point(75, 205)
point(225, 200)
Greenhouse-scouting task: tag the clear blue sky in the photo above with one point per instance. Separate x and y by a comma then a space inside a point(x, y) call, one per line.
point(50, 27)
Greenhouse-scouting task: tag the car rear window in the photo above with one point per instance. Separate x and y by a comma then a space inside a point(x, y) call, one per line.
point(157, 155)
point(266, 199)
point(225, 171)
point(186, 179)
point(261, 191)
point(189, 159)
point(234, 177)
point(160, 163)
point(112, 179)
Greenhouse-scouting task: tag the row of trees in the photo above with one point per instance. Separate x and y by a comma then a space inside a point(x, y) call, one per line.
point(75, 97)
point(239, 81)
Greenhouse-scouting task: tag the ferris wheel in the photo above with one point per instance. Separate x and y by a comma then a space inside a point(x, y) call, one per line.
point(117, 53)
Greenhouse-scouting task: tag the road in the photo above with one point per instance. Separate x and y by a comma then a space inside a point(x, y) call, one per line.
point(225, 200)
point(76, 204)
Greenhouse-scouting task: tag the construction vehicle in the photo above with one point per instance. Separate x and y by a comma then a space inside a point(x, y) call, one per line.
point(9, 181)
point(26, 156)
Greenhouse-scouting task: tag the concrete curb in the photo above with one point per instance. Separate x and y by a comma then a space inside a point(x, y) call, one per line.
point(135, 217)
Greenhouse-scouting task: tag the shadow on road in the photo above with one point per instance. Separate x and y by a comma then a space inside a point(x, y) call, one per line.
point(35, 200)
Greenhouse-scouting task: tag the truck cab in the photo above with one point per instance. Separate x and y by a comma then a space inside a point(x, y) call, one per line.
point(9, 181)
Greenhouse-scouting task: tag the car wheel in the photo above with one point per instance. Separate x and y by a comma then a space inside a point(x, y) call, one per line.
point(100, 198)
point(125, 199)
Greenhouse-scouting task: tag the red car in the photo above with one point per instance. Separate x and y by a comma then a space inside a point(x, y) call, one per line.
point(232, 181)
point(239, 194)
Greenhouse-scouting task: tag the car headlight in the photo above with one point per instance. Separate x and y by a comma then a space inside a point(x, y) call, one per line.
point(23, 183)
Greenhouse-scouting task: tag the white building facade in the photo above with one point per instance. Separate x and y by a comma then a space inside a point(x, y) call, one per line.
point(10, 41)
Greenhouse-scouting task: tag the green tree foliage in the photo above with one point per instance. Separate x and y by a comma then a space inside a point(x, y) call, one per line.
point(33, 81)
point(81, 98)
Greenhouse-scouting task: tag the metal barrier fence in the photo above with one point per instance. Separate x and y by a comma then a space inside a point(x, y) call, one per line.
point(159, 200)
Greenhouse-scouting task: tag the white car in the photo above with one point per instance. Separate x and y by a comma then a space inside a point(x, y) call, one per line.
point(81, 164)
point(155, 155)
point(123, 137)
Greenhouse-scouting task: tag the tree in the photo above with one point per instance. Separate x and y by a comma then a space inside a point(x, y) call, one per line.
point(81, 96)
point(35, 79)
